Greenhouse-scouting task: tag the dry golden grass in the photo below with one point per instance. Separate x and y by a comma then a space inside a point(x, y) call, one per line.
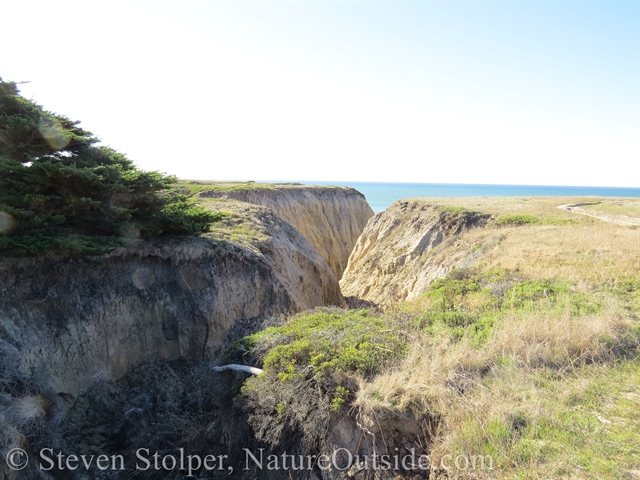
point(601, 253)
point(625, 209)
point(526, 372)
point(527, 340)
point(551, 393)
point(544, 207)
point(241, 222)
point(585, 250)
point(562, 245)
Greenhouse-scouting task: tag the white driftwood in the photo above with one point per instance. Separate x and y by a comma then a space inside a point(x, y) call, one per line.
point(238, 368)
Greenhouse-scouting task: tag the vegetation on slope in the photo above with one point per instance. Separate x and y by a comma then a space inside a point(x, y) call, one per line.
point(532, 356)
point(529, 372)
point(311, 367)
point(61, 192)
point(194, 187)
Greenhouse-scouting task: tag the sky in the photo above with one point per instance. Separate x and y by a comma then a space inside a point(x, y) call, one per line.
point(493, 92)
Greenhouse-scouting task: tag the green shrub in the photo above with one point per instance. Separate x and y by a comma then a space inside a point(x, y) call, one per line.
point(339, 398)
point(524, 295)
point(310, 368)
point(452, 210)
point(326, 341)
point(516, 220)
point(450, 291)
point(466, 303)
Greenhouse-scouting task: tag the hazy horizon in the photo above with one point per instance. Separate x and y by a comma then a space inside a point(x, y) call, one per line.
point(328, 181)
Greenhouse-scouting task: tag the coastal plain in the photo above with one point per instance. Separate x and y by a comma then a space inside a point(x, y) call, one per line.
point(503, 330)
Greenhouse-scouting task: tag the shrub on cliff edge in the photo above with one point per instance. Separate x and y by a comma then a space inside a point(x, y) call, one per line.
point(61, 192)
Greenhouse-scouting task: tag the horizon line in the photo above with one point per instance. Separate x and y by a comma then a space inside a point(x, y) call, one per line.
point(319, 182)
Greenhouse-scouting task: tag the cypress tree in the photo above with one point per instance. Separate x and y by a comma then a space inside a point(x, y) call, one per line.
point(62, 192)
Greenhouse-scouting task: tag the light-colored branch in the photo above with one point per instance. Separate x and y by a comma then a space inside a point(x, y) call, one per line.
point(238, 368)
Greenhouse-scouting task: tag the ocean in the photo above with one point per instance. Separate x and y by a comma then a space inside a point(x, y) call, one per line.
point(381, 195)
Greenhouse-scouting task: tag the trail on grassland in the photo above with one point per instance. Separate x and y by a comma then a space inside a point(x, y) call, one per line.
point(575, 208)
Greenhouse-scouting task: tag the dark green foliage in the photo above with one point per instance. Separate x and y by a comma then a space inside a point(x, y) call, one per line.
point(28, 132)
point(61, 192)
point(63, 244)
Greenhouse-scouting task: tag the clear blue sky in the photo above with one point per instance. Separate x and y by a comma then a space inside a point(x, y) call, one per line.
point(460, 92)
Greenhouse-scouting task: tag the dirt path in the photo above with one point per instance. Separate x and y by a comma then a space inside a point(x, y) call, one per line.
point(575, 208)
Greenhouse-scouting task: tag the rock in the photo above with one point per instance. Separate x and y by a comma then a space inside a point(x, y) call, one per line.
point(405, 248)
point(330, 218)
point(67, 323)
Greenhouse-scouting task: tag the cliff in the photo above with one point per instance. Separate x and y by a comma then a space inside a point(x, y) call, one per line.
point(331, 218)
point(65, 323)
point(293, 260)
point(405, 248)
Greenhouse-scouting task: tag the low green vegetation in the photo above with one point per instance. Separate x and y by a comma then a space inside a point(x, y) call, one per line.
point(194, 187)
point(520, 220)
point(539, 373)
point(467, 301)
point(612, 207)
point(462, 214)
point(339, 398)
point(560, 221)
point(585, 423)
point(454, 210)
point(240, 223)
point(327, 342)
point(312, 364)
point(516, 220)
point(61, 192)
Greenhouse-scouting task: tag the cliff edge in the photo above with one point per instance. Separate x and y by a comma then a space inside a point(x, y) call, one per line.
point(331, 218)
point(405, 248)
point(66, 323)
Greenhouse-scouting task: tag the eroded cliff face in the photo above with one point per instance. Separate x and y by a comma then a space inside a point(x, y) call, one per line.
point(294, 261)
point(331, 218)
point(405, 248)
point(65, 324)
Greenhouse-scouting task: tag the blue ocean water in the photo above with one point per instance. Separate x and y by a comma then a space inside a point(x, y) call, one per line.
point(381, 195)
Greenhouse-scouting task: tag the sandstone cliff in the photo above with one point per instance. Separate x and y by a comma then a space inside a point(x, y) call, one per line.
point(331, 218)
point(294, 261)
point(405, 248)
point(66, 323)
